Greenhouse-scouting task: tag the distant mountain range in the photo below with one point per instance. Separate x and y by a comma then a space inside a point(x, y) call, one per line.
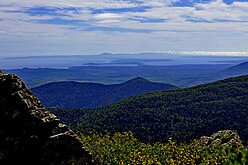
point(92, 95)
point(179, 75)
point(113, 73)
point(183, 114)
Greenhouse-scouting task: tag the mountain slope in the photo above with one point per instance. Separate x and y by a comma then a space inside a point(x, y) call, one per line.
point(91, 95)
point(182, 114)
point(238, 69)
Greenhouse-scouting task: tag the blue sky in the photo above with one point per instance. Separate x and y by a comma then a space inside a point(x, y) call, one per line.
point(69, 27)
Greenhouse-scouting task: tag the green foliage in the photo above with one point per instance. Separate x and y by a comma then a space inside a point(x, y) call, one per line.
point(124, 148)
point(182, 114)
point(225, 139)
point(1, 73)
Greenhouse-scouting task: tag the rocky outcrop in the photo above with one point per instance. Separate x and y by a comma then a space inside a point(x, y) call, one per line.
point(221, 138)
point(30, 134)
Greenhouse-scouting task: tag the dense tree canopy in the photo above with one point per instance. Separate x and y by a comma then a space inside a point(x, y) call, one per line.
point(182, 114)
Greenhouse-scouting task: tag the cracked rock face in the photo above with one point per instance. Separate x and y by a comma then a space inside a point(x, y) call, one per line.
point(30, 134)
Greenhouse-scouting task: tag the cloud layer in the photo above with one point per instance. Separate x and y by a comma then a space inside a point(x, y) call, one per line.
point(43, 27)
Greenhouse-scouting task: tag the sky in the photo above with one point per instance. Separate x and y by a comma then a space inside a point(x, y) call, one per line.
point(75, 27)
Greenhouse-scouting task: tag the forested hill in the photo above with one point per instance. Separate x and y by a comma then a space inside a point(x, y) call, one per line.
point(183, 114)
point(91, 95)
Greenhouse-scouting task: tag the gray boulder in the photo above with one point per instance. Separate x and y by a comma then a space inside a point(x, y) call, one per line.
point(221, 138)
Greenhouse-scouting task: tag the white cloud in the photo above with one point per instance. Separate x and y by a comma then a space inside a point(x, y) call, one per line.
point(213, 26)
point(107, 16)
point(157, 3)
point(211, 53)
point(237, 11)
point(97, 4)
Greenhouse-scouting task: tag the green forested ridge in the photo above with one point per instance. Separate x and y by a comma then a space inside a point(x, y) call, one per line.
point(92, 95)
point(182, 114)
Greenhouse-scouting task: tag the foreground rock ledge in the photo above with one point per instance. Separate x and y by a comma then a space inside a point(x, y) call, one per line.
point(30, 134)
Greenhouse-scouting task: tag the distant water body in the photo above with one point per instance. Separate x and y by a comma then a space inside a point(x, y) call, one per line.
point(62, 62)
point(41, 62)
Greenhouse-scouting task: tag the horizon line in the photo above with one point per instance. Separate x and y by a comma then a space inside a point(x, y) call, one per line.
point(182, 53)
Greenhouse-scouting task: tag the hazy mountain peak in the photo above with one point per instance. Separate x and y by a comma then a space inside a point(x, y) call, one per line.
point(138, 79)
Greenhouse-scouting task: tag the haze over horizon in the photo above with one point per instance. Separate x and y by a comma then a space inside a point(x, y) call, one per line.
point(62, 27)
point(167, 54)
